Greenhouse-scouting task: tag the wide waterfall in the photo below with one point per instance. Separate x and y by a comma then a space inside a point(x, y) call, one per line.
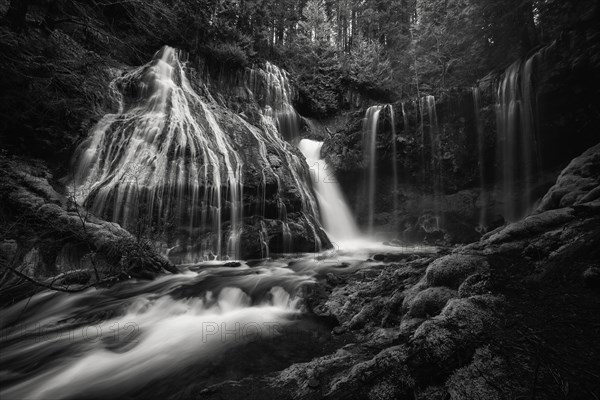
point(174, 162)
point(337, 217)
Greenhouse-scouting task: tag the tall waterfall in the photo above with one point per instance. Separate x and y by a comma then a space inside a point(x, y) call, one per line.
point(517, 143)
point(394, 162)
point(370, 146)
point(165, 160)
point(404, 119)
point(483, 194)
point(435, 168)
point(337, 217)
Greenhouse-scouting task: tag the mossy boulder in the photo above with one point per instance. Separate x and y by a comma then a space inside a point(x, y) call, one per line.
point(430, 301)
point(440, 343)
point(453, 269)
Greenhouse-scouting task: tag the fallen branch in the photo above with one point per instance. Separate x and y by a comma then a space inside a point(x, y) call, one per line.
point(56, 288)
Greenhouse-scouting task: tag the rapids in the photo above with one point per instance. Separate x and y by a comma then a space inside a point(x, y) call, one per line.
point(214, 321)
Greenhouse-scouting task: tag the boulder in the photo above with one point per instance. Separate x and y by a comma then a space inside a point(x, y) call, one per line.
point(430, 301)
point(577, 184)
point(453, 269)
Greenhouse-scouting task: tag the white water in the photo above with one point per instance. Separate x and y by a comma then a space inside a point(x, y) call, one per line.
point(394, 162)
point(483, 193)
point(337, 217)
point(518, 150)
point(370, 149)
point(166, 161)
point(167, 334)
point(66, 352)
point(404, 119)
point(436, 157)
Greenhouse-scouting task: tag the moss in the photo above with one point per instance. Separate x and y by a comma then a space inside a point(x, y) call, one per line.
point(430, 301)
point(488, 376)
point(476, 284)
point(453, 269)
point(444, 342)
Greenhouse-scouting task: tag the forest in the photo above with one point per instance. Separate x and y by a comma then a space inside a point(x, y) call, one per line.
point(299, 199)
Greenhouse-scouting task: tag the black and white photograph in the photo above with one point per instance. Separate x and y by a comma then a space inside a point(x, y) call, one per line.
point(299, 199)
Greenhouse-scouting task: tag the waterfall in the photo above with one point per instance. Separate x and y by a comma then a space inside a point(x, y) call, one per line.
point(337, 217)
point(165, 161)
point(517, 142)
point(370, 146)
point(436, 154)
point(483, 195)
point(394, 162)
point(270, 86)
point(404, 120)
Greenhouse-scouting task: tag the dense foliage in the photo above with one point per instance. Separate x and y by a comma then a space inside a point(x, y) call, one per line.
point(380, 49)
point(368, 44)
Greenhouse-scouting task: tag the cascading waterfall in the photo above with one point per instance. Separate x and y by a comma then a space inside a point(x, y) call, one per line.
point(404, 119)
point(337, 217)
point(272, 89)
point(436, 155)
point(164, 160)
point(394, 161)
point(276, 95)
point(370, 146)
point(483, 194)
point(517, 143)
point(155, 155)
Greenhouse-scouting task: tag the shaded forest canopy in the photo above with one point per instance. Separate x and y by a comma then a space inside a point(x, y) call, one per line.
point(60, 54)
point(377, 45)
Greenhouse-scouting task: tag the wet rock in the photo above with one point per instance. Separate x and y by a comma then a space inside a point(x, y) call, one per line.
point(233, 264)
point(379, 257)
